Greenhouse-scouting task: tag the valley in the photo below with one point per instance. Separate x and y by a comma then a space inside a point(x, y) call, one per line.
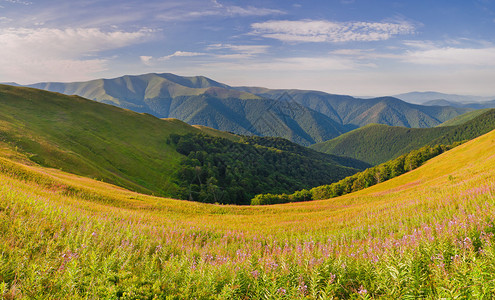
point(165, 157)
point(246, 150)
point(86, 238)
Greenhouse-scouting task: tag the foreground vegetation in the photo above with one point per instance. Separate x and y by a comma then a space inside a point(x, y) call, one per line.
point(426, 234)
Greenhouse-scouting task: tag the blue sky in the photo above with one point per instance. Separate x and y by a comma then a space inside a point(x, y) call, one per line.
point(356, 47)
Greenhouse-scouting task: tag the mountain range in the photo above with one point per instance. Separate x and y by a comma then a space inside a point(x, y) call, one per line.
point(422, 97)
point(304, 117)
point(441, 99)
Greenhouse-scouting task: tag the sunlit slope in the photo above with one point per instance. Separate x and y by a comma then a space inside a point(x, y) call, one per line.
point(449, 175)
point(65, 236)
point(91, 139)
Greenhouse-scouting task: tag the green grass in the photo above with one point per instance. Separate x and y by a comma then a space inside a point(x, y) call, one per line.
point(91, 139)
point(426, 234)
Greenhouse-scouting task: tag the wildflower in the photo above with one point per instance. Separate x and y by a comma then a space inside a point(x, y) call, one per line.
point(332, 278)
point(255, 273)
point(303, 288)
point(362, 290)
point(282, 291)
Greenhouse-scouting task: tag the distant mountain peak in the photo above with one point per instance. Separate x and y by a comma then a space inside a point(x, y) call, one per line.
point(423, 97)
point(305, 117)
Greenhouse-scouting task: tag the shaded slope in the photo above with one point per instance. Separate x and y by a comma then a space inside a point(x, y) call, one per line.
point(259, 117)
point(376, 143)
point(355, 112)
point(379, 143)
point(219, 170)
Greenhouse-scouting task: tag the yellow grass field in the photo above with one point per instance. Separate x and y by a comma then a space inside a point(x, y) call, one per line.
point(426, 234)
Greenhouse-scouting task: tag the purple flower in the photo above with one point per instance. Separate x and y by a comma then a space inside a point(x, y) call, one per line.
point(362, 290)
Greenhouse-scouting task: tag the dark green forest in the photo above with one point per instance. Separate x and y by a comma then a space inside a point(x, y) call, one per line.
point(376, 143)
point(358, 181)
point(217, 170)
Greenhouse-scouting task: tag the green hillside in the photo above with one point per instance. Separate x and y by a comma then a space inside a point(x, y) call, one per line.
point(376, 144)
point(469, 130)
point(92, 139)
point(218, 170)
point(136, 150)
point(427, 234)
point(461, 119)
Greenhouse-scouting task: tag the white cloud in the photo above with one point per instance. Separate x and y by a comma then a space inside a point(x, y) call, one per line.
point(461, 52)
point(294, 64)
point(151, 61)
point(245, 50)
point(326, 31)
point(58, 54)
point(452, 56)
point(233, 10)
point(19, 2)
point(181, 54)
point(147, 60)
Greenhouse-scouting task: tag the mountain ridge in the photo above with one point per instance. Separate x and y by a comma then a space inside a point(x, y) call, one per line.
point(423, 97)
point(305, 117)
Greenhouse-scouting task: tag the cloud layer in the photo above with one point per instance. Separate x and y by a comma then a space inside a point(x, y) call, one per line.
point(452, 56)
point(326, 31)
point(56, 53)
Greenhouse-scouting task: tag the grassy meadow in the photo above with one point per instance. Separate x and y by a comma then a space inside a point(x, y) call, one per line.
point(136, 151)
point(426, 234)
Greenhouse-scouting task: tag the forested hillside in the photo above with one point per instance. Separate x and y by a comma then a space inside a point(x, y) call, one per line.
point(379, 143)
point(358, 181)
point(219, 170)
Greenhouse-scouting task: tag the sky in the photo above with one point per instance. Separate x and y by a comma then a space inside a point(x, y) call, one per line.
point(354, 47)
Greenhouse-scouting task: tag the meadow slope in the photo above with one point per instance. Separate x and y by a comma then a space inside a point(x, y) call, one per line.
point(136, 151)
point(426, 234)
